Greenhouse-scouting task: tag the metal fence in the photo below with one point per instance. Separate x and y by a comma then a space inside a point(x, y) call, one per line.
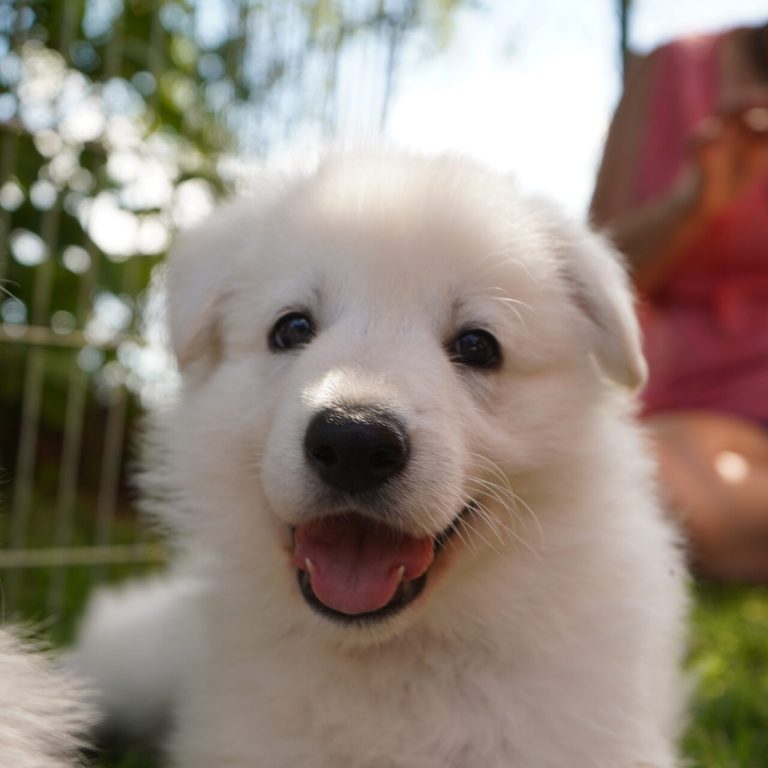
point(116, 121)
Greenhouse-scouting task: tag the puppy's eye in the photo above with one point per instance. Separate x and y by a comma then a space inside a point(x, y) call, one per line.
point(291, 331)
point(476, 348)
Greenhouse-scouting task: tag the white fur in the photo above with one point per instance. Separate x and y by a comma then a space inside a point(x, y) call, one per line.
point(137, 671)
point(43, 714)
point(550, 631)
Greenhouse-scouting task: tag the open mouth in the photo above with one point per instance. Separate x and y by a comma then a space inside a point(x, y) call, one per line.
point(355, 570)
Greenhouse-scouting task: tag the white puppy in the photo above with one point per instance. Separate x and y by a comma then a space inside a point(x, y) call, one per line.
point(43, 713)
point(416, 521)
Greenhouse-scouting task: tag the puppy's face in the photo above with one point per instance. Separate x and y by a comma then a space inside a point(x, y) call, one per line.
point(378, 361)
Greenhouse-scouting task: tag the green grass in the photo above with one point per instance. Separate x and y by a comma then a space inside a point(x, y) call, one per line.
point(728, 662)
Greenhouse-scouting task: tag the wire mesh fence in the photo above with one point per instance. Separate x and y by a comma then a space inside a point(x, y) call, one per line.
point(119, 122)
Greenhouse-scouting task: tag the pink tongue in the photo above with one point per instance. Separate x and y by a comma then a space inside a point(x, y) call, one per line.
point(356, 562)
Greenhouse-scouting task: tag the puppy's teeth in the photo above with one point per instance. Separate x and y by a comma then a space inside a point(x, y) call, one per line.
point(310, 567)
point(400, 572)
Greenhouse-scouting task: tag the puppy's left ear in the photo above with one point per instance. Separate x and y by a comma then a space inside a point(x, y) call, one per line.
point(598, 284)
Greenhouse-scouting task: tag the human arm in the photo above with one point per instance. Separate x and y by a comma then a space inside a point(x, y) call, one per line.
point(724, 155)
point(652, 233)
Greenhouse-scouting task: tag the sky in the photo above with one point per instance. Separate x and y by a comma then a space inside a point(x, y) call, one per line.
point(528, 86)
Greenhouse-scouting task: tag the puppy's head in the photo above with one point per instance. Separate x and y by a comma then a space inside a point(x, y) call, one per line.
point(378, 360)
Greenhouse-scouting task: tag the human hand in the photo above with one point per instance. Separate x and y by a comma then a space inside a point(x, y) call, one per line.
point(729, 151)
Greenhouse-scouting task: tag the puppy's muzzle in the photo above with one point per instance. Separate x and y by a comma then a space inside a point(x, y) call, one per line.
point(356, 448)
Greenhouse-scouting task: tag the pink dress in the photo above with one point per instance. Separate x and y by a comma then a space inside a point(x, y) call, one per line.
point(707, 329)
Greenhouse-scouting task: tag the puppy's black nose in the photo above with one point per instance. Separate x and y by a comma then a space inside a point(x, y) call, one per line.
point(357, 448)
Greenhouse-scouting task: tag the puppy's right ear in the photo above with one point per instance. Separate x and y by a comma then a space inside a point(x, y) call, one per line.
point(201, 266)
point(195, 285)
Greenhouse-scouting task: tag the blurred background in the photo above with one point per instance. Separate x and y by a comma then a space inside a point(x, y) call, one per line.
point(124, 120)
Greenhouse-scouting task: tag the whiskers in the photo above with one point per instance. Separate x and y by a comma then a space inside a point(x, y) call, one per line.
point(496, 508)
point(517, 307)
point(254, 460)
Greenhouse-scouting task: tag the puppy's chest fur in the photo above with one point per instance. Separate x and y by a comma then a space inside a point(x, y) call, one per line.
point(525, 696)
point(432, 706)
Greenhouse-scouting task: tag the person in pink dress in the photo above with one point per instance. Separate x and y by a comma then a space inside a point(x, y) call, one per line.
point(683, 191)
